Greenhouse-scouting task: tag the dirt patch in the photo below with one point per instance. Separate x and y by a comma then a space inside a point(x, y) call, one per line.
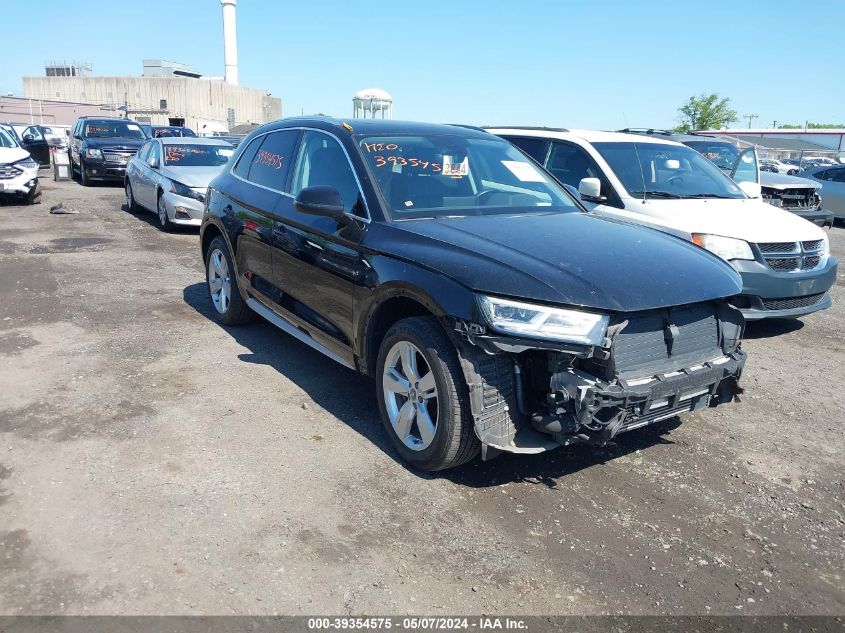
point(15, 342)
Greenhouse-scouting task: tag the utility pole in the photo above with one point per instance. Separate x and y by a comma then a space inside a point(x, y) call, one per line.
point(750, 118)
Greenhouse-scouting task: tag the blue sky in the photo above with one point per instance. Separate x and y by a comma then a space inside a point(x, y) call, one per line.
point(594, 64)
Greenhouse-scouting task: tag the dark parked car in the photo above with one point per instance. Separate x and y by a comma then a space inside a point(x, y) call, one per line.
point(100, 148)
point(165, 131)
point(492, 311)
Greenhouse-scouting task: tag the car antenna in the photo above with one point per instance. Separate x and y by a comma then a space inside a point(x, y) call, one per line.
point(642, 174)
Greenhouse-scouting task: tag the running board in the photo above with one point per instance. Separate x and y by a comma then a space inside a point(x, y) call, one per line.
point(295, 332)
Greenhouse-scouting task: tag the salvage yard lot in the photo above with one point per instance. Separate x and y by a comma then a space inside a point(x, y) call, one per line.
point(154, 462)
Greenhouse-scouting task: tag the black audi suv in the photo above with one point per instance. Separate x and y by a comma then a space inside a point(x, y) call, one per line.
point(493, 312)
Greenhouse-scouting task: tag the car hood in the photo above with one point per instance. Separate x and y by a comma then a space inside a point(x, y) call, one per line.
point(12, 155)
point(116, 142)
point(196, 177)
point(748, 219)
point(561, 258)
point(782, 181)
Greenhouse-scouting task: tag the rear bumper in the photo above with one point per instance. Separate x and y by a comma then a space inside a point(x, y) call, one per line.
point(767, 293)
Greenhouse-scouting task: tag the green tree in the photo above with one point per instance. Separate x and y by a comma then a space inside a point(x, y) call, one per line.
point(705, 112)
point(811, 126)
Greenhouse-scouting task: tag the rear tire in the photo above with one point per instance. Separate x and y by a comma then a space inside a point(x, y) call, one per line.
point(405, 390)
point(229, 308)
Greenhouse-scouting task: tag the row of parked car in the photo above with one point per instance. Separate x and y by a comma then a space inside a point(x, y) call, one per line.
point(509, 289)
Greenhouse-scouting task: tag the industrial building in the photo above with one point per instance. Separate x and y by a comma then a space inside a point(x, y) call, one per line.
point(167, 93)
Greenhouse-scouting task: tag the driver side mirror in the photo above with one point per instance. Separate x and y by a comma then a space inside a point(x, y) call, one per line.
point(590, 190)
point(153, 163)
point(320, 200)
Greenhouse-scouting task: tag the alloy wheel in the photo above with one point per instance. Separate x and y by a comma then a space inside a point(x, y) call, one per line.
point(410, 395)
point(162, 212)
point(219, 281)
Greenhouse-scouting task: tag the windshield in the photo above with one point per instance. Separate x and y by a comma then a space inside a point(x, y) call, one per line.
point(454, 175)
point(113, 129)
point(722, 154)
point(6, 140)
point(656, 170)
point(197, 155)
point(162, 132)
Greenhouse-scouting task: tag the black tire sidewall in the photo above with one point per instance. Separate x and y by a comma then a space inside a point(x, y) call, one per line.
point(431, 457)
point(83, 177)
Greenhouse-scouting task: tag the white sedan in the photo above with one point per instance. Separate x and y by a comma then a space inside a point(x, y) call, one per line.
point(170, 176)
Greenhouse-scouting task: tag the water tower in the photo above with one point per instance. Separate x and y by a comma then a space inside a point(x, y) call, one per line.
point(371, 101)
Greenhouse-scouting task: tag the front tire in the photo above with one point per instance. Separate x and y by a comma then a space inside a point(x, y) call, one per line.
point(84, 180)
point(221, 279)
point(131, 205)
point(423, 397)
point(163, 221)
point(34, 196)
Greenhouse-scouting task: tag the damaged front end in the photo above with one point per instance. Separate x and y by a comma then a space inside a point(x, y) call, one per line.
point(529, 395)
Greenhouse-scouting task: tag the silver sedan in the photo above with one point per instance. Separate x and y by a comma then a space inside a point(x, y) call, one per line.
point(832, 179)
point(170, 176)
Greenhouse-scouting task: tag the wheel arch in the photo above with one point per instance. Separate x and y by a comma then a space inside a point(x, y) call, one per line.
point(391, 309)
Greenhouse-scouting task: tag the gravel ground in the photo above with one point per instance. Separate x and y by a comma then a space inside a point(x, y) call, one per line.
point(153, 462)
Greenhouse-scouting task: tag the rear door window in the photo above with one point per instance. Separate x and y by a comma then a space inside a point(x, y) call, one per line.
point(536, 148)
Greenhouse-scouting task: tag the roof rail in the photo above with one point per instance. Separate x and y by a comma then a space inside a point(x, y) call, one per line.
point(525, 127)
point(645, 130)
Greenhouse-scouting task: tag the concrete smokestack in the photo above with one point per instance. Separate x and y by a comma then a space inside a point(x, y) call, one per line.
point(230, 41)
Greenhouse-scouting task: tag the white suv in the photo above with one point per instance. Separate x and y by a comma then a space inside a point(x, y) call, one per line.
point(18, 172)
point(784, 260)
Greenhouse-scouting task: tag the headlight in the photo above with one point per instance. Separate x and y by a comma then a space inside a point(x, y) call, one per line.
point(93, 152)
point(825, 248)
point(727, 248)
point(185, 191)
point(26, 163)
point(536, 321)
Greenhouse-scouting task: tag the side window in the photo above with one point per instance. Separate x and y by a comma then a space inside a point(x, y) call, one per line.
point(155, 154)
point(536, 148)
point(824, 174)
point(270, 165)
point(570, 164)
point(242, 167)
point(33, 131)
point(144, 151)
point(837, 174)
point(322, 161)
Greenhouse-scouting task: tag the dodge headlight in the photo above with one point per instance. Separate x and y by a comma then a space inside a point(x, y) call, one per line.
point(93, 152)
point(727, 248)
point(544, 322)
